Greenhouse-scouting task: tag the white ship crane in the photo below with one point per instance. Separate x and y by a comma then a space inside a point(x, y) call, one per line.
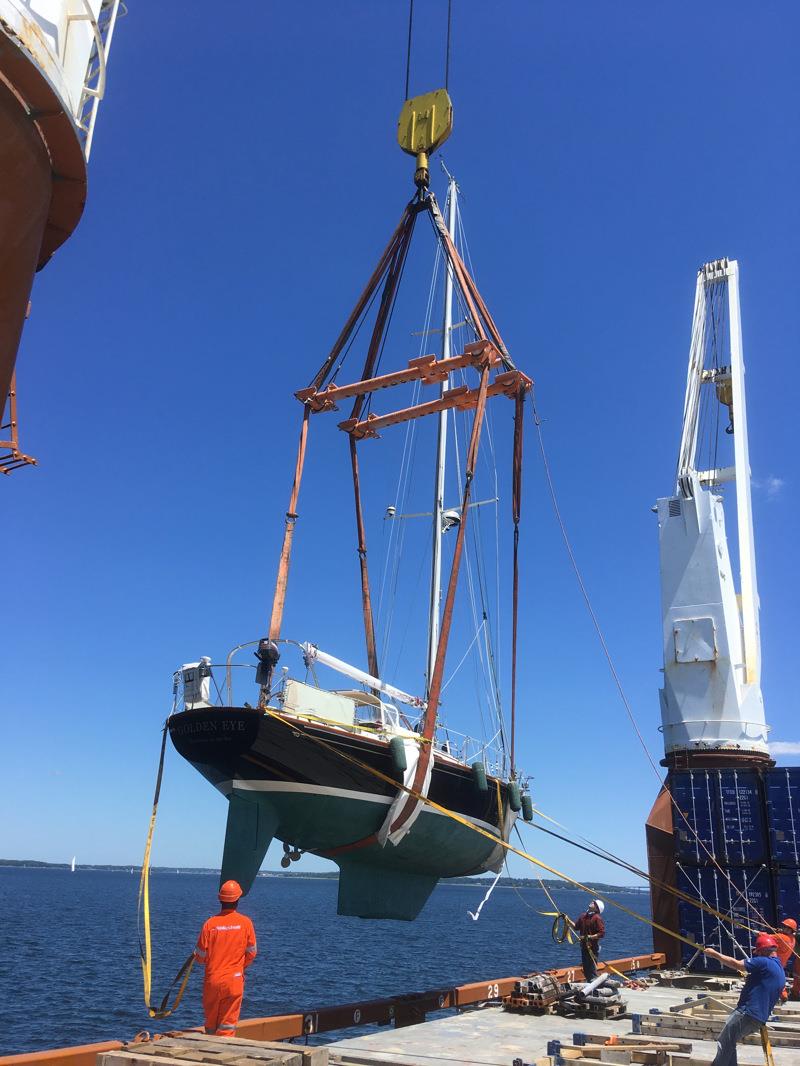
point(711, 699)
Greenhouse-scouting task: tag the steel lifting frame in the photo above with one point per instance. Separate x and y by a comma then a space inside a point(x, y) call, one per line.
point(427, 369)
point(487, 355)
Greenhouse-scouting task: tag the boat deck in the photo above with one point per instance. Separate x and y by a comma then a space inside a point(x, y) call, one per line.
point(492, 1036)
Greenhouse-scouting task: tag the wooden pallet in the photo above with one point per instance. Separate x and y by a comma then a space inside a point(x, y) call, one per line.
point(709, 1028)
point(613, 1010)
point(183, 1048)
point(722, 1004)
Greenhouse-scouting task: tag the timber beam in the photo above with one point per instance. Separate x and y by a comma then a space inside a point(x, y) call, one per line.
point(462, 398)
point(427, 369)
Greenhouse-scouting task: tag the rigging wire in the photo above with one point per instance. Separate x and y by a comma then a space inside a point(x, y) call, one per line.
point(612, 667)
point(472, 826)
point(393, 555)
point(354, 334)
point(464, 656)
point(485, 664)
point(492, 456)
point(489, 666)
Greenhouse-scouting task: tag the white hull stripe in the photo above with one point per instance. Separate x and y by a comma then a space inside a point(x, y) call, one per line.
point(327, 790)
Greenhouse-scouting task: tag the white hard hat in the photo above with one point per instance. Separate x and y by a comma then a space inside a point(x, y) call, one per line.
point(600, 905)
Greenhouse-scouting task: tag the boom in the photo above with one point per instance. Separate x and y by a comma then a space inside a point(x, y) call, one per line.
point(711, 697)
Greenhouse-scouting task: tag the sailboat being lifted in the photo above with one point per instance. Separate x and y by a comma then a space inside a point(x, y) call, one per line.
point(363, 776)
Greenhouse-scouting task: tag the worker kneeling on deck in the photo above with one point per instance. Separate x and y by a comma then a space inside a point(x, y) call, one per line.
point(765, 981)
point(591, 928)
point(226, 947)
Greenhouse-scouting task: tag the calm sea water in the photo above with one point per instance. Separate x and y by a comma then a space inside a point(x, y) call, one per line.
point(69, 969)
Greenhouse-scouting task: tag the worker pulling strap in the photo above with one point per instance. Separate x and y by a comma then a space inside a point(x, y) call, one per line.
point(765, 982)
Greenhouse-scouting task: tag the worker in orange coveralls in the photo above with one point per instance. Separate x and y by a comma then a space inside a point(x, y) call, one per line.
point(226, 947)
point(785, 939)
point(787, 932)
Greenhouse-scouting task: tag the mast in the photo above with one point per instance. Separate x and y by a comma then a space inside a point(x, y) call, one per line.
point(441, 448)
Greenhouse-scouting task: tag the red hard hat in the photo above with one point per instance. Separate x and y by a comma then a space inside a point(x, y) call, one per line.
point(790, 923)
point(230, 892)
point(765, 942)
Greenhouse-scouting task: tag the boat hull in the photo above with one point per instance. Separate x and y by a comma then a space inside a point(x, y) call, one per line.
point(308, 785)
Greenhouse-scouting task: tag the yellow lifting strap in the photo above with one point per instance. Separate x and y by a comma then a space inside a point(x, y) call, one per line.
point(768, 1056)
point(507, 845)
point(562, 925)
point(143, 913)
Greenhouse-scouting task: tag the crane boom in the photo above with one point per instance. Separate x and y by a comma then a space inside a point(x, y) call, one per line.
point(711, 698)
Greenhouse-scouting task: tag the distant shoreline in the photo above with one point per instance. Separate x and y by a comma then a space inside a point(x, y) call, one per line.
point(310, 875)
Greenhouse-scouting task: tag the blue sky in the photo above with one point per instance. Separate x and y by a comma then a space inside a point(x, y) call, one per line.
point(244, 179)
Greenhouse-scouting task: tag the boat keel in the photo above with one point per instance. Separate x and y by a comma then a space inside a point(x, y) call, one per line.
point(249, 832)
point(367, 891)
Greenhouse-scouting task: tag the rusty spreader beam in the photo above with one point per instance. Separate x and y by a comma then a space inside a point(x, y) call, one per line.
point(462, 397)
point(427, 369)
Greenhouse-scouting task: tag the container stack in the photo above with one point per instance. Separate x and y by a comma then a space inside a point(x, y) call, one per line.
point(782, 787)
point(722, 858)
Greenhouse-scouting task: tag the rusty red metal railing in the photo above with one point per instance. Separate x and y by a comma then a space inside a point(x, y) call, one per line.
point(394, 1010)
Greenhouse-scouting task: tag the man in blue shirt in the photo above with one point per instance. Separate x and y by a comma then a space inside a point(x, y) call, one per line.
point(766, 980)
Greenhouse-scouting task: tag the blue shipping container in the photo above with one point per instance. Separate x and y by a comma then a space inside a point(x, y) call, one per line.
point(741, 807)
point(693, 793)
point(722, 892)
point(788, 898)
point(783, 814)
point(724, 812)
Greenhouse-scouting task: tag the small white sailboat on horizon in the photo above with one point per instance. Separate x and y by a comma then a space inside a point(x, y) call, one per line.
point(72, 865)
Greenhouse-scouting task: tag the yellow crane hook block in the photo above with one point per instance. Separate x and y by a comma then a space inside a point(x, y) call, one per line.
point(425, 123)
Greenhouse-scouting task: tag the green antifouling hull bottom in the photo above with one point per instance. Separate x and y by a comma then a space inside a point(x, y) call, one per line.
point(374, 882)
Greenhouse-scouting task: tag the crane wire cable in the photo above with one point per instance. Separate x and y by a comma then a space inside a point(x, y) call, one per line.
point(408, 48)
point(447, 50)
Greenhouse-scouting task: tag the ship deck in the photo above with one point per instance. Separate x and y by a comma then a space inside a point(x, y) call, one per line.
point(669, 1020)
point(492, 1036)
